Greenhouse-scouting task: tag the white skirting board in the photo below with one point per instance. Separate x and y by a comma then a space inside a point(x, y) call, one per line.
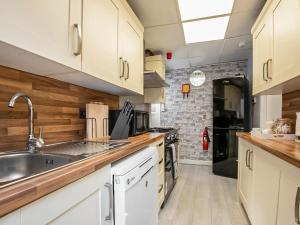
point(195, 162)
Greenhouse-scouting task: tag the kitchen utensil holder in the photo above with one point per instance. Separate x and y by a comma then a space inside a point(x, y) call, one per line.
point(121, 128)
point(94, 121)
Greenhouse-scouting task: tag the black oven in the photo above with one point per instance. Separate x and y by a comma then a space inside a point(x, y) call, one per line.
point(138, 125)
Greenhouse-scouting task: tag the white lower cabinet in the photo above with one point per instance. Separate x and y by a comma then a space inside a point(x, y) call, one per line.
point(265, 188)
point(271, 193)
point(289, 196)
point(86, 201)
point(245, 174)
point(13, 218)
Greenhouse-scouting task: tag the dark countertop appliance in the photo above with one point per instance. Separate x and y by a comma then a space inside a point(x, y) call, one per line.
point(138, 125)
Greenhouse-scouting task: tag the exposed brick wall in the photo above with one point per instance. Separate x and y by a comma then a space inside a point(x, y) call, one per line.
point(193, 114)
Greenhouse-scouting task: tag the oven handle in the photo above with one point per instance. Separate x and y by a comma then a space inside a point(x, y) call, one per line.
point(168, 169)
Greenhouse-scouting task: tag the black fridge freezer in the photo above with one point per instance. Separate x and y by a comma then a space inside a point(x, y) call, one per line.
point(231, 114)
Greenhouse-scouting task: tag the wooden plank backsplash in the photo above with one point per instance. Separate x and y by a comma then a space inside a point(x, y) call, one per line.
point(291, 104)
point(56, 104)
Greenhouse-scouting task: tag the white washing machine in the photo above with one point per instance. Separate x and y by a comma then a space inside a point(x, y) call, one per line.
point(135, 182)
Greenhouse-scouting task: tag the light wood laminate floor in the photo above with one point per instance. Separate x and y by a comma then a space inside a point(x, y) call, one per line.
point(202, 198)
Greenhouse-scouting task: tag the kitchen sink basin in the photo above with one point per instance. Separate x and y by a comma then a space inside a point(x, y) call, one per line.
point(15, 166)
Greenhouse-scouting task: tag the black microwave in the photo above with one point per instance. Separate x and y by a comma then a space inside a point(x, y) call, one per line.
point(138, 125)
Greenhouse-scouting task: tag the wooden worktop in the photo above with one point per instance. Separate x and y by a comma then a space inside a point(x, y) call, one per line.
point(21, 193)
point(286, 150)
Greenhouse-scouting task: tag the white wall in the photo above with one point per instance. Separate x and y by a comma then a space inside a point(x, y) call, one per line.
point(267, 107)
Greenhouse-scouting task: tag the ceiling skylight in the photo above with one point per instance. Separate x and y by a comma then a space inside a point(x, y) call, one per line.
point(196, 9)
point(205, 30)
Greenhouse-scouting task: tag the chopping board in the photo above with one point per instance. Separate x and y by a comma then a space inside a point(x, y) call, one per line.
point(97, 120)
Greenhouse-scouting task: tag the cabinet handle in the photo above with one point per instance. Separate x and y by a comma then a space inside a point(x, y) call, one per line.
point(122, 67)
point(249, 158)
point(264, 72)
point(269, 61)
point(297, 206)
point(79, 40)
point(160, 188)
point(160, 144)
point(128, 71)
point(161, 161)
point(247, 155)
point(111, 201)
point(125, 71)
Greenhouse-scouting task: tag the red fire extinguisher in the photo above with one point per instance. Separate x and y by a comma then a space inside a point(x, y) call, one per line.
point(205, 139)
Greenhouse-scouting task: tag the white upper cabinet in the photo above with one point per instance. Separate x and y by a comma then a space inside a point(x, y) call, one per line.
point(100, 40)
point(286, 40)
point(276, 47)
point(77, 41)
point(50, 29)
point(131, 53)
point(262, 43)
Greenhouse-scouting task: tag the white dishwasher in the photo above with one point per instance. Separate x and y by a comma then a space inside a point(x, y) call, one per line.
point(135, 189)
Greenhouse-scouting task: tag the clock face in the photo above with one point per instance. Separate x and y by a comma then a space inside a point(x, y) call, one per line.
point(197, 78)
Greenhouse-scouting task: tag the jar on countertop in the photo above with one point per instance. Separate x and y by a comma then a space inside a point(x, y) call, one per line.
point(283, 126)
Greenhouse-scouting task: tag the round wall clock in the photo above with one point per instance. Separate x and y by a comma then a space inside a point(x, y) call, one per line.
point(197, 78)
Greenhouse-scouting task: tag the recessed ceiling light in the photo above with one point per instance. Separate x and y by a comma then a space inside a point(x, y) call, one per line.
point(194, 9)
point(205, 30)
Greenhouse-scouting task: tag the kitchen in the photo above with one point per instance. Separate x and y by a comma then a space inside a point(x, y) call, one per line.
point(181, 112)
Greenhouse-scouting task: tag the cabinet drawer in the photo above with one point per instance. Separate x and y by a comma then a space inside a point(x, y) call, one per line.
point(161, 188)
point(161, 165)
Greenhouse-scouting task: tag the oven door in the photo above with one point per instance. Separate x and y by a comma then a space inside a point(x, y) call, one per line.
point(169, 171)
point(175, 156)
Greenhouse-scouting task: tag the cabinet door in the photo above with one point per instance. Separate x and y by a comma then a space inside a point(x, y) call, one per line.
point(131, 50)
point(154, 95)
point(287, 206)
point(245, 175)
point(266, 176)
point(161, 171)
point(13, 218)
point(45, 28)
point(262, 43)
point(84, 202)
point(100, 40)
point(286, 33)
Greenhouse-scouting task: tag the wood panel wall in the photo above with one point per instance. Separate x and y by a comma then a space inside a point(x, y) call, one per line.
point(291, 104)
point(56, 104)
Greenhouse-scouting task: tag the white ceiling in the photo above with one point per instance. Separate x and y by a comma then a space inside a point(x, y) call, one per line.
point(163, 33)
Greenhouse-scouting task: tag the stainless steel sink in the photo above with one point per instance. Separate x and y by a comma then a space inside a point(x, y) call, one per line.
point(15, 166)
